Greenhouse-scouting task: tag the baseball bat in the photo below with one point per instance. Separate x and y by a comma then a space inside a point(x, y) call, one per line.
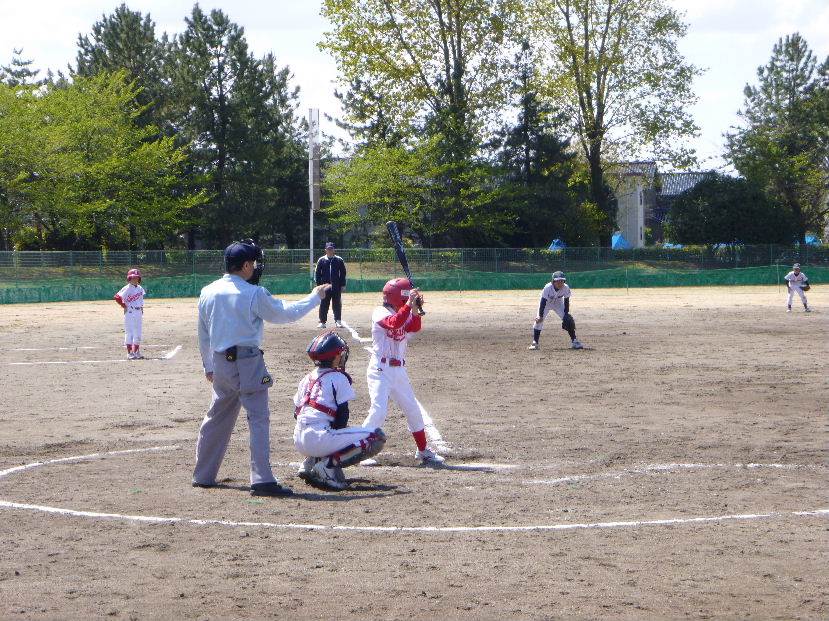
point(394, 233)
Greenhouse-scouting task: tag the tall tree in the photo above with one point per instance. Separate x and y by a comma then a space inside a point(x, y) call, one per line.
point(541, 171)
point(615, 68)
point(237, 113)
point(726, 210)
point(126, 40)
point(83, 173)
point(783, 146)
point(429, 75)
point(19, 71)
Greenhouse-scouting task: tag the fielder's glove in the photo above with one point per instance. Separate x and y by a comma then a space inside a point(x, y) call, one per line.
point(805, 286)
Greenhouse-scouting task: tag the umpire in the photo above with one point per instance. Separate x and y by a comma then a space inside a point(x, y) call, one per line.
point(232, 312)
point(331, 270)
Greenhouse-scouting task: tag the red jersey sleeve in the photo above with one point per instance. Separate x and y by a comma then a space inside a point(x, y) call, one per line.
point(414, 323)
point(393, 322)
point(118, 299)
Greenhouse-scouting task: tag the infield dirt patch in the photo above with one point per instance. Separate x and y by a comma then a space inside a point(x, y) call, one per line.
point(709, 378)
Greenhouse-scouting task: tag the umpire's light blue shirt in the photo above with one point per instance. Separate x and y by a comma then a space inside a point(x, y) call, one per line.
point(232, 312)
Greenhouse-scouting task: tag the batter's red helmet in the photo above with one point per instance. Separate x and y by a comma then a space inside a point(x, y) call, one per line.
point(134, 273)
point(396, 292)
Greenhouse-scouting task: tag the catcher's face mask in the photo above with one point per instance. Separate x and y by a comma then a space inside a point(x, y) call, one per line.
point(258, 258)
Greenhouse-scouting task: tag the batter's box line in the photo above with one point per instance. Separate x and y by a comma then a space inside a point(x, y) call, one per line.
point(165, 356)
point(151, 519)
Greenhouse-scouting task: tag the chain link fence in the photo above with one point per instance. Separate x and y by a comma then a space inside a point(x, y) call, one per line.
point(33, 276)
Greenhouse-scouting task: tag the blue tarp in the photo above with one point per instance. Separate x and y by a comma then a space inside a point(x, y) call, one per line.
point(812, 240)
point(671, 245)
point(619, 242)
point(557, 244)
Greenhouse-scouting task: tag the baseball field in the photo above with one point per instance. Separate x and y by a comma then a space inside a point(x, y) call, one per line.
point(675, 468)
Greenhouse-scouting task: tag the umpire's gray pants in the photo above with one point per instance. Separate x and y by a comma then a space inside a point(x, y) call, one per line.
point(244, 382)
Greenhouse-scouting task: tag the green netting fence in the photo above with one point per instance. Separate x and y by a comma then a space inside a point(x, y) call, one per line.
point(27, 277)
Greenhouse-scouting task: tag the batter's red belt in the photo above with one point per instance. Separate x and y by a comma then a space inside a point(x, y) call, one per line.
point(393, 362)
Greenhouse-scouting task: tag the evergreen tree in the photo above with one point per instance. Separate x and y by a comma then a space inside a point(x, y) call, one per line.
point(19, 71)
point(784, 144)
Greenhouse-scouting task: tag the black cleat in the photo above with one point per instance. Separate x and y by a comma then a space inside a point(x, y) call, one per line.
point(270, 489)
point(204, 485)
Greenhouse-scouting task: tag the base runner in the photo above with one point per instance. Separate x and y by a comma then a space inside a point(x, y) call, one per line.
point(131, 299)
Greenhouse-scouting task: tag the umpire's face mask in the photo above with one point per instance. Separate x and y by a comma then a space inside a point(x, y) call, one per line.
point(258, 268)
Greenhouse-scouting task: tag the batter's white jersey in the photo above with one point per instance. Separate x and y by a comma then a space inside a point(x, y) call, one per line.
point(555, 299)
point(320, 392)
point(390, 333)
point(795, 280)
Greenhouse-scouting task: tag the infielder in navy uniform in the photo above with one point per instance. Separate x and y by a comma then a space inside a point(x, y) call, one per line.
point(331, 270)
point(556, 296)
point(232, 312)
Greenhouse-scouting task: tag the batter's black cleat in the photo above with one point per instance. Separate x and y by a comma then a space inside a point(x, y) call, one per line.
point(270, 489)
point(204, 485)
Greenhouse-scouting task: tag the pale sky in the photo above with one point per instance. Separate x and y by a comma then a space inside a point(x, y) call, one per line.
point(730, 38)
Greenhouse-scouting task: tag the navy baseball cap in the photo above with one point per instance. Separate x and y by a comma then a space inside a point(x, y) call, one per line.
point(329, 245)
point(239, 252)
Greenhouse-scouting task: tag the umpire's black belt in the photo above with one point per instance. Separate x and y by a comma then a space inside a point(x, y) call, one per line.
point(241, 351)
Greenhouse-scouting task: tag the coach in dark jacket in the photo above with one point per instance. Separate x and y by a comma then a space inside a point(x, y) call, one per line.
point(331, 270)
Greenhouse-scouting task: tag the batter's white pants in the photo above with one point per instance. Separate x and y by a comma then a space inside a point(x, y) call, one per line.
point(539, 325)
point(318, 439)
point(799, 292)
point(133, 318)
point(387, 382)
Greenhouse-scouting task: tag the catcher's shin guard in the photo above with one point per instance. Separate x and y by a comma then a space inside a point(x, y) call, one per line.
point(356, 453)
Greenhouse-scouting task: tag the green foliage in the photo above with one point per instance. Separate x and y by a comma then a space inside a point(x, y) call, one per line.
point(784, 144)
point(614, 67)
point(725, 210)
point(80, 172)
point(236, 113)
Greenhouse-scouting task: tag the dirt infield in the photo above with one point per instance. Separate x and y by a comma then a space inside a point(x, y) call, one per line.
point(687, 404)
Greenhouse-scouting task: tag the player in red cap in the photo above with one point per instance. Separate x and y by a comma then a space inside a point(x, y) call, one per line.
point(131, 299)
point(392, 323)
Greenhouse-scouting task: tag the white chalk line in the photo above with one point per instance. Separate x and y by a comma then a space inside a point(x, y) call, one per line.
point(432, 433)
point(657, 468)
point(165, 356)
point(151, 519)
point(72, 348)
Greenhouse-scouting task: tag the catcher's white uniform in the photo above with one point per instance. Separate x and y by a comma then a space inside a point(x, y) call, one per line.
point(795, 282)
point(317, 397)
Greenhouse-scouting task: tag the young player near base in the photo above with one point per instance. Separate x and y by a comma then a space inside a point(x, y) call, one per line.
point(796, 281)
point(131, 299)
point(556, 296)
point(391, 325)
point(321, 432)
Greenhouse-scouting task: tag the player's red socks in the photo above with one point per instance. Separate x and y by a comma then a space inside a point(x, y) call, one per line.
point(420, 439)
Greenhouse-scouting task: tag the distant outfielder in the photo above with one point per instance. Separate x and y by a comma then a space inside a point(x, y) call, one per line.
point(797, 281)
point(322, 433)
point(556, 296)
point(131, 299)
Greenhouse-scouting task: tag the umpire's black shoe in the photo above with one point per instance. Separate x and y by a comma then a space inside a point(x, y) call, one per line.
point(270, 489)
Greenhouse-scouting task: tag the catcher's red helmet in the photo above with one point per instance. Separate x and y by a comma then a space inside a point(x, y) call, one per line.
point(134, 273)
point(396, 292)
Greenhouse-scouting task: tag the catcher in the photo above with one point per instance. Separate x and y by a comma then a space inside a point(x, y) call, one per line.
point(797, 281)
point(556, 296)
point(321, 432)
